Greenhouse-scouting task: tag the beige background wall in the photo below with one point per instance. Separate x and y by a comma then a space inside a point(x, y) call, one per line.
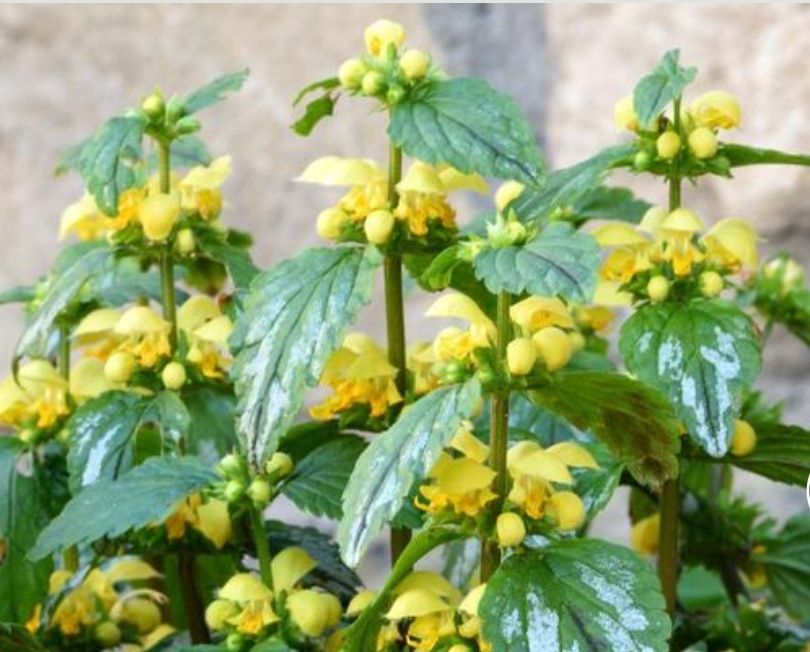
point(66, 68)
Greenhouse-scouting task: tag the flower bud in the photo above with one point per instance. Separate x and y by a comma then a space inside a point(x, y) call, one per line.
point(373, 83)
point(108, 634)
point(577, 341)
point(259, 491)
point(568, 509)
point(711, 284)
point(668, 145)
point(218, 612)
point(657, 289)
point(142, 613)
point(645, 535)
point(279, 465)
point(789, 272)
point(414, 64)
point(744, 439)
point(174, 375)
point(234, 490)
point(395, 94)
point(382, 33)
point(624, 114)
point(378, 226)
point(153, 106)
point(506, 193)
point(330, 222)
point(235, 642)
point(186, 243)
point(553, 346)
point(351, 73)
point(520, 356)
point(703, 142)
point(187, 125)
point(119, 366)
point(230, 465)
point(308, 612)
point(359, 602)
point(641, 161)
point(158, 214)
point(510, 530)
point(460, 647)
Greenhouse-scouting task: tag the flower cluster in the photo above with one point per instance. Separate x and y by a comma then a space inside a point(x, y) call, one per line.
point(669, 256)
point(247, 610)
point(100, 609)
point(386, 72)
point(460, 485)
point(364, 212)
point(691, 139)
point(145, 209)
point(36, 402)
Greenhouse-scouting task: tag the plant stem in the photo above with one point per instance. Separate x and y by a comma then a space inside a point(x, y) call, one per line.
point(262, 546)
point(70, 555)
point(499, 431)
point(395, 319)
point(192, 600)
point(166, 262)
point(670, 501)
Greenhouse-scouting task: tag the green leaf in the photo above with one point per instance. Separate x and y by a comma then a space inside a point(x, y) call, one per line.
point(318, 481)
point(634, 421)
point(331, 573)
point(315, 111)
point(787, 566)
point(395, 459)
point(294, 317)
point(102, 432)
point(559, 261)
point(660, 87)
point(467, 124)
point(604, 203)
point(211, 432)
point(108, 160)
point(236, 259)
point(702, 356)
point(597, 486)
point(272, 645)
point(16, 638)
point(700, 588)
point(564, 188)
point(19, 294)
point(60, 293)
point(215, 91)
point(328, 84)
point(303, 438)
point(460, 560)
point(575, 595)
point(741, 155)
point(782, 453)
point(148, 493)
point(22, 516)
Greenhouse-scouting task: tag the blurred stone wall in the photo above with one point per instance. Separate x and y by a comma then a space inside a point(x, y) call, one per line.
point(65, 68)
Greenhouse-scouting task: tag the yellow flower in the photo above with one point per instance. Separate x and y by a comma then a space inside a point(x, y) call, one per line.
point(360, 374)
point(312, 611)
point(420, 361)
point(254, 600)
point(553, 346)
point(645, 534)
point(567, 509)
point(360, 602)
point(454, 343)
point(629, 255)
point(84, 219)
point(716, 110)
point(147, 335)
point(39, 393)
point(461, 485)
point(675, 236)
point(207, 330)
point(158, 214)
point(732, 243)
point(744, 439)
point(87, 380)
point(507, 192)
point(624, 114)
point(200, 188)
point(290, 566)
point(382, 33)
point(535, 313)
point(466, 443)
point(211, 519)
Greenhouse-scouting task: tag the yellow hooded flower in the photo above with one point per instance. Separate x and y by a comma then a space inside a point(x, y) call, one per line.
point(200, 188)
point(254, 600)
point(645, 534)
point(624, 114)
point(207, 330)
point(506, 193)
point(629, 255)
point(471, 625)
point(716, 110)
point(429, 581)
point(732, 244)
point(87, 380)
point(466, 443)
point(290, 566)
point(675, 236)
point(360, 374)
point(382, 33)
point(84, 219)
point(147, 335)
point(534, 313)
point(420, 361)
point(211, 519)
point(461, 485)
point(39, 393)
point(455, 343)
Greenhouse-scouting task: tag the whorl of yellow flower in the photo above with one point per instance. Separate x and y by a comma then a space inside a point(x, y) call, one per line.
point(459, 485)
point(37, 398)
point(716, 110)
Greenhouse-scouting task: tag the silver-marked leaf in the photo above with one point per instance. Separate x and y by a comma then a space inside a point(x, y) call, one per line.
point(660, 87)
point(597, 486)
point(236, 259)
point(215, 91)
point(62, 290)
point(108, 161)
point(317, 483)
point(558, 262)
point(23, 584)
point(633, 420)
point(395, 459)
point(565, 187)
point(571, 595)
point(148, 493)
point(294, 317)
point(102, 432)
point(702, 356)
point(467, 124)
